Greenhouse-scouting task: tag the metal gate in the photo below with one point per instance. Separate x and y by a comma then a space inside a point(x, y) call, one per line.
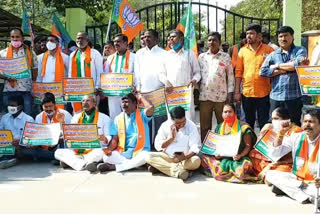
point(165, 16)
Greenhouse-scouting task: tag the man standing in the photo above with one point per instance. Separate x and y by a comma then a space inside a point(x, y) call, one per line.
point(280, 68)
point(14, 121)
point(180, 67)
point(83, 158)
point(130, 144)
point(122, 61)
point(23, 87)
point(304, 146)
point(53, 65)
point(178, 142)
point(255, 89)
point(85, 62)
point(147, 67)
point(217, 83)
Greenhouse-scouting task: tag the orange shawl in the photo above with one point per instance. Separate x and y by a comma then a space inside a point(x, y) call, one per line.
point(59, 68)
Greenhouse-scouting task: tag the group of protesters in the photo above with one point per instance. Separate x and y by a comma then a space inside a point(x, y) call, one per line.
point(256, 79)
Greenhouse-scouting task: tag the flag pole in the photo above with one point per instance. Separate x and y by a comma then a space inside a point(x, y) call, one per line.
point(108, 32)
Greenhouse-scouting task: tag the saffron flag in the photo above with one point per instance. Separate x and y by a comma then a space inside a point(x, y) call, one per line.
point(186, 25)
point(124, 15)
point(59, 31)
point(26, 25)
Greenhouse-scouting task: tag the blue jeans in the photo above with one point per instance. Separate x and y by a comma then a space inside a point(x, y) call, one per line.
point(27, 98)
point(38, 153)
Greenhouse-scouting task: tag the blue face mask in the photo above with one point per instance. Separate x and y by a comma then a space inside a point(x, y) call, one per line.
point(176, 47)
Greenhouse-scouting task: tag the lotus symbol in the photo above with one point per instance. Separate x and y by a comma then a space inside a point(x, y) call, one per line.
point(129, 17)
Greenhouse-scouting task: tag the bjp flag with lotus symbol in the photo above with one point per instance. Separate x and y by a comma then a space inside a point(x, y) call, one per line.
point(124, 15)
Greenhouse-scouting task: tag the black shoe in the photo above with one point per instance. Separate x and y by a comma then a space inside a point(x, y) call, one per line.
point(92, 167)
point(277, 191)
point(104, 167)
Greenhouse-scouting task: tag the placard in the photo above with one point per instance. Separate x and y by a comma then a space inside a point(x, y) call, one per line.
point(74, 89)
point(265, 145)
point(37, 134)
point(40, 88)
point(6, 139)
point(158, 100)
point(180, 96)
point(81, 136)
point(221, 145)
point(309, 79)
point(116, 84)
point(15, 68)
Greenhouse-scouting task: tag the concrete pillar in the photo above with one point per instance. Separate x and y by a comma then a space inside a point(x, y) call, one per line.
point(75, 20)
point(292, 16)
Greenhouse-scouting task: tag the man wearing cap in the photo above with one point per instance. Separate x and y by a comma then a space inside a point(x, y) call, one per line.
point(279, 66)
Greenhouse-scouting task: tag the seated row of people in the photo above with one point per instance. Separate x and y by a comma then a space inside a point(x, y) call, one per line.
point(126, 144)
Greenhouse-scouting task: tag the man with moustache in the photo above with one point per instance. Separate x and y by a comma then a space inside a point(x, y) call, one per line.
point(298, 184)
point(180, 67)
point(130, 144)
point(122, 61)
point(217, 83)
point(80, 159)
point(280, 68)
point(147, 67)
point(22, 87)
point(255, 89)
point(85, 62)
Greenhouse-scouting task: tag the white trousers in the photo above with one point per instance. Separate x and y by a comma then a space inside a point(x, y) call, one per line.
point(78, 162)
point(115, 109)
point(288, 183)
point(123, 163)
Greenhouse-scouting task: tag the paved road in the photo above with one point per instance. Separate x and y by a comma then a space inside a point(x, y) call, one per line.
point(36, 188)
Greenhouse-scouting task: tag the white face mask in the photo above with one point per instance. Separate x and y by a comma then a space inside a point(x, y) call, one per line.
point(12, 109)
point(51, 46)
point(50, 114)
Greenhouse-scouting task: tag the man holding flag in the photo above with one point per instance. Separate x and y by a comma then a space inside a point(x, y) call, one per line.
point(53, 65)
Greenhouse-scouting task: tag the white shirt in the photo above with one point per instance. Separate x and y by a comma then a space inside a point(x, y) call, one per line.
point(51, 67)
point(180, 68)
point(315, 57)
point(15, 125)
point(147, 67)
point(24, 84)
point(96, 66)
point(67, 117)
point(103, 124)
point(187, 138)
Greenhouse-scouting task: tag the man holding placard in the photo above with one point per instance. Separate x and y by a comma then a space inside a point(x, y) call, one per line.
point(122, 61)
point(85, 62)
point(53, 65)
point(130, 144)
point(82, 158)
point(147, 67)
point(14, 121)
point(178, 142)
point(180, 67)
point(19, 83)
point(279, 66)
point(304, 146)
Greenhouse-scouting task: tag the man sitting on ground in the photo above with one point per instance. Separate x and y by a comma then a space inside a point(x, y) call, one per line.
point(178, 142)
point(130, 144)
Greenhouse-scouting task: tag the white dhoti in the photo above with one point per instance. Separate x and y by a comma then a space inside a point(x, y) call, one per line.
point(123, 163)
point(289, 184)
point(114, 104)
point(78, 162)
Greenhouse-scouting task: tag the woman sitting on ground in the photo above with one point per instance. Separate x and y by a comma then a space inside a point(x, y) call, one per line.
point(260, 163)
point(237, 169)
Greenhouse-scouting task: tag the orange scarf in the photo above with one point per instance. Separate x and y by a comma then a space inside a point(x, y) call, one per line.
point(76, 70)
point(80, 121)
point(59, 68)
point(126, 64)
point(122, 133)
point(10, 56)
point(45, 121)
point(304, 173)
